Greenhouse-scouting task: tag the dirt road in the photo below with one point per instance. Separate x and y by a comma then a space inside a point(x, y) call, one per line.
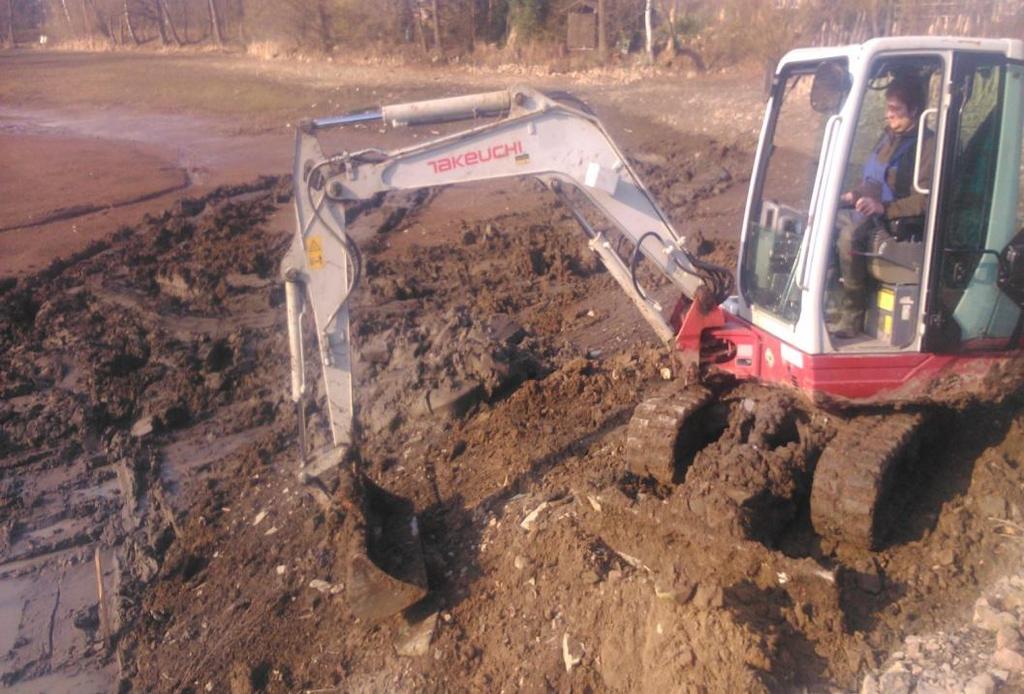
point(145, 421)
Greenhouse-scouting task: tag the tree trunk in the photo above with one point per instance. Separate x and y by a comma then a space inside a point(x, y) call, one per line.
point(649, 30)
point(128, 24)
point(165, 20)
point(10, 23)
point(215, 23)
point(602, 31)
point(421, 31)
point(86, 30)
point(437, 27)
point(67, 14)
point(324, 29)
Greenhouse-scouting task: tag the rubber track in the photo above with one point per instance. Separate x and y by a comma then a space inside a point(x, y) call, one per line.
point(854, 474)
point(653, 435)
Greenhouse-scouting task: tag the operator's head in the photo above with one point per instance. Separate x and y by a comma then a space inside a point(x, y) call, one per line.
point(904, 101)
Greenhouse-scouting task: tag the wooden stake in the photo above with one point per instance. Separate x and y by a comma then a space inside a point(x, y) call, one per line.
point(104, 622)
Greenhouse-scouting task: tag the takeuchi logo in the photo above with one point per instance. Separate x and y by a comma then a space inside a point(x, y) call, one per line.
point(479, 156)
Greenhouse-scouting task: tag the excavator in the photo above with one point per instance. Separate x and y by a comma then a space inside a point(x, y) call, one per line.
point(944, 314)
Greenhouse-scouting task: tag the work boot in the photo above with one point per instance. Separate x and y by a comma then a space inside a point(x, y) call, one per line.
point(851, 320)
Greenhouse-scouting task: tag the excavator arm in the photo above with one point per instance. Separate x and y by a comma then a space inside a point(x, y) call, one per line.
point(562, 145)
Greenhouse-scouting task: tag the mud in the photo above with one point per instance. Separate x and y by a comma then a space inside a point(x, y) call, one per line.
point(144, 412)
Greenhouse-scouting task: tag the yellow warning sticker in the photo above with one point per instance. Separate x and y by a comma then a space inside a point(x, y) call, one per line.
point(887, 326)
point(886, 299)
point(315, 253)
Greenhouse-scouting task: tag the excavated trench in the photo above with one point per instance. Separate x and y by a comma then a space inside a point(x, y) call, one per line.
point(498, 368)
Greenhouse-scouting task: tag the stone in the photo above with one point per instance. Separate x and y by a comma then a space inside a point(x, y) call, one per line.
point(896, 680)
point(414, 637)
point(992, 506)
point(989, 618)
point(913, 645)
point(142, 428)
point(982, 684)
point(708, 595)
point(869, 685)
point(1008, 659)
point(1008, 637)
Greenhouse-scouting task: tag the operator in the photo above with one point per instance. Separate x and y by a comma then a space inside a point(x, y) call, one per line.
point(886, 192)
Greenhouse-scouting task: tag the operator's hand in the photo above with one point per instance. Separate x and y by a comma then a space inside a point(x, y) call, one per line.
point(869, 206)
point(846, 198)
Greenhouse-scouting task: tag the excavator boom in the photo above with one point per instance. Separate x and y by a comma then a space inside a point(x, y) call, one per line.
point(560, 144)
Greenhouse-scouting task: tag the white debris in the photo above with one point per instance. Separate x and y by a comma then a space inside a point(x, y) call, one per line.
point(321, 585)
point(531, 517)
point(259, 518)
point(281, 568)
point(568, 658)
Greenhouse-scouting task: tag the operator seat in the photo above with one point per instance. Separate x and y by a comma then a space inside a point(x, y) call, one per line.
point(896, 254)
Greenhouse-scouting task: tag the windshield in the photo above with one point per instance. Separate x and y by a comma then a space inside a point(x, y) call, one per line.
point(778, 214)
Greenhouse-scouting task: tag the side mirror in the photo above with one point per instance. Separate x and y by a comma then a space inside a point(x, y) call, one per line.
point(829, 89)
point(1011, 269)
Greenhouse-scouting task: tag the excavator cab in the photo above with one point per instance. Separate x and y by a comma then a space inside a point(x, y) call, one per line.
point(931, 265)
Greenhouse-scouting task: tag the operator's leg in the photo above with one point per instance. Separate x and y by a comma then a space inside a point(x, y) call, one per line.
point(854, 233)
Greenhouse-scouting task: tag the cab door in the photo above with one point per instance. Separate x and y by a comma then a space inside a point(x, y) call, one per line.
point(979, 197)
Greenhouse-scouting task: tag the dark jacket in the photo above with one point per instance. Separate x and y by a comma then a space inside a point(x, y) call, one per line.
point(898, 174)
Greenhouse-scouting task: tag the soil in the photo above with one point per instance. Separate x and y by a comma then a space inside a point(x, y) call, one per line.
point(147, 435)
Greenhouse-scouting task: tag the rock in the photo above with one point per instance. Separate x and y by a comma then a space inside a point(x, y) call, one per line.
point(992, 506)
point(1008, 637)
point(87, 618)
point(945, 557)
point(999, 675)
point(913, 644)
point(708, 595)
point(869, 685)
point(1008, 659)
point(320, 585)
point(571, 654)
point(414, 637)
point(142, 428)
point(896, 680)
point(990, 619)
point(982, 684)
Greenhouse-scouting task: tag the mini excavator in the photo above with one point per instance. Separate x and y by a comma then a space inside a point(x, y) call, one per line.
point(945, 307)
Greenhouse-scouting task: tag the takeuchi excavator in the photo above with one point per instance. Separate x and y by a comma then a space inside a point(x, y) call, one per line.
point(945, 289)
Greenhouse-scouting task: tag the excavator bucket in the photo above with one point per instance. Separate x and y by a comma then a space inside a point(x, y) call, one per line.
point(385, 568)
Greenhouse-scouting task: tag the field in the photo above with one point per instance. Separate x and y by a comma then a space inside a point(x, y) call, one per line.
point(146, 432)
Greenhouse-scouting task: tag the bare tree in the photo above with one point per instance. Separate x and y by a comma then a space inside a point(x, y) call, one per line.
point(128, 24)
point(166, 24)
point(10, 23)
point(437, 27)
point(602, 29)
point(649, 29)
point(215, 23)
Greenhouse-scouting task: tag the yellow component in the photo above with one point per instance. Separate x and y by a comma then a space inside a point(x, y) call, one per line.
point(315, 253)
point(886, 299)
point(887, 325)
